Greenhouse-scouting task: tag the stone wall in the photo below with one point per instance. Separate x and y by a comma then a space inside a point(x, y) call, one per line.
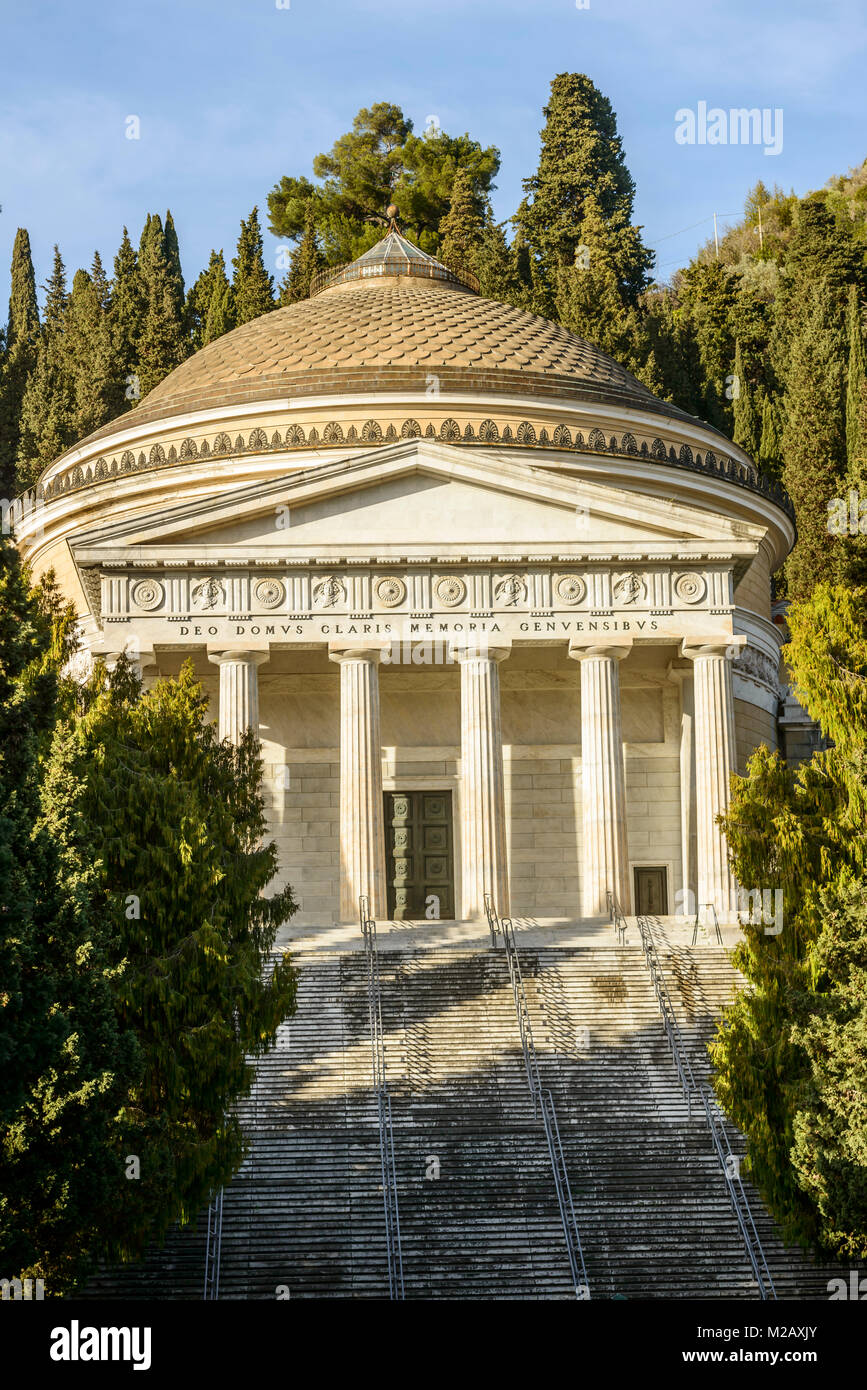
point(753, 725)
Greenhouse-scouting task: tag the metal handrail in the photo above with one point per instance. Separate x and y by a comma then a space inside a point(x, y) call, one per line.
point(213, 1247)
point(543, 1100)
point(616, 915)
point(493, 919)
point(697, 923)
point(394, 1249)
point(728, 1160)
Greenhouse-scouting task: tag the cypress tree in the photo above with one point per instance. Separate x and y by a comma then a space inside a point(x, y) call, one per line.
point(19, 358)
point(176, 823)
point(127, 317)
point(856, 391)
point(814, 439)
point(172, 254)
point(89, 349)
point(769, 445)
point(462, 229)
point(746, 419)
point(163, 343)
point(306, 259)
point(67, 1063)
point(47, 421)
point(210, 308)
point(23, 319)
point(252, 285)
point(579, 203)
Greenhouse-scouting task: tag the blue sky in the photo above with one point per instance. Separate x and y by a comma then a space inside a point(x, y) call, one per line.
point(231, 94)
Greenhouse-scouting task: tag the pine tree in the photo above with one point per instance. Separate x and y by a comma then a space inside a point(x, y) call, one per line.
point(253, 287)
point(19, 358)
point(67, 1063)
point(127, 318)
point(210, 307)
point(579, 203)
point(176, 822)
point(814, 440)
point(305, 261)
point(47, 420)
point(746, 418)
point(708, 296)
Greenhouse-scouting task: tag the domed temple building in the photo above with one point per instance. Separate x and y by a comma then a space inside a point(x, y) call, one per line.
point(502, 620)
point(501, 617)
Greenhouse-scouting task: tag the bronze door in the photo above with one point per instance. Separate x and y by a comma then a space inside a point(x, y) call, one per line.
point(651, 892)
point(419, 855)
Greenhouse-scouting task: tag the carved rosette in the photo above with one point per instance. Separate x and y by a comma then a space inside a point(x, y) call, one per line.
point(269, 592)
point(690, 587)
point(148, 594)
point(451, 590)
point(571, 588)
point(390, 590)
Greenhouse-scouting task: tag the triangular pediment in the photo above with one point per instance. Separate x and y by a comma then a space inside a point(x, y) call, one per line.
point(414, 494)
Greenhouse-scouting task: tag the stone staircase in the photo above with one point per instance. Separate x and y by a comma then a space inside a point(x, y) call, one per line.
point(478, 1211)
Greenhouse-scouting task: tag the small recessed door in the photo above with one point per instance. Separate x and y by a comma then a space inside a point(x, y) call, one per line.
point(651, 892)
point(419, 856)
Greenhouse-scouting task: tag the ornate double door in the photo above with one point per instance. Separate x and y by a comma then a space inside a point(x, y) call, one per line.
point(419, 855)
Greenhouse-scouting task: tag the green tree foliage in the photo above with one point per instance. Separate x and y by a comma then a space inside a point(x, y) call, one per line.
point(252, 286)
point(163, 343)
point(210, 308)
point(47, 407)
point(789, 1054)
point(67, 1062)
point(576, 215)
point(175, 823)
point(747, 422)
point(89, 348)
point(378, 162)
point(856, 392)
point(127, 317)
point(304, 263)
point(18, 358)
point(814, 438)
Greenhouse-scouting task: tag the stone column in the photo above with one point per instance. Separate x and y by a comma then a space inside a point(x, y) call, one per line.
point(606, 852)
point(484, 867)
point(239, 691)
point(714, 764)
point(683, 678)
point(362, 838)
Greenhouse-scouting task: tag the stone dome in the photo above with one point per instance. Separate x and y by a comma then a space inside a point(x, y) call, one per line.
point(386, 321)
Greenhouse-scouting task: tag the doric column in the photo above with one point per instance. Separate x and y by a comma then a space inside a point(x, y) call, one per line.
point(683, 678)
point(362, 839)
point(714, 764)
point(606, 853)
point(484, 868)
point(239, 691)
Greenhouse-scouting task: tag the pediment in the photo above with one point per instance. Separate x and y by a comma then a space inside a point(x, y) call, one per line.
point(415, 494)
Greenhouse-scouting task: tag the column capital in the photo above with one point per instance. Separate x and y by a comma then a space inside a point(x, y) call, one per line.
point(361, 651)
point(138, 655)
point(722, 646)
point(617, 648)
point(479, 651)
point(251, 656)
